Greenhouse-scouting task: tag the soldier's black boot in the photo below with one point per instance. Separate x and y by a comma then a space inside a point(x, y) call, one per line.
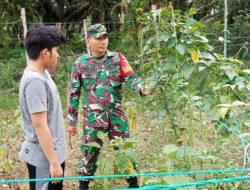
point(83, 185)
point(132, 182)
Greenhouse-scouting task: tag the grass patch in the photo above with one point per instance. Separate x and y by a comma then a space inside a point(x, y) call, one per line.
point(9, 102)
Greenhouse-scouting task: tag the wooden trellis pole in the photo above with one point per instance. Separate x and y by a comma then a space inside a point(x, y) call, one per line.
point(85, 34)
point(225, 28)
point(23, 18)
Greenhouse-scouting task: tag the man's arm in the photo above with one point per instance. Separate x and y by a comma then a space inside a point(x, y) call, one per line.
point(74, 92)
point(39, 121)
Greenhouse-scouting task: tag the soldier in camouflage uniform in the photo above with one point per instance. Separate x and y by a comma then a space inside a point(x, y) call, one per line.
point(99, 78)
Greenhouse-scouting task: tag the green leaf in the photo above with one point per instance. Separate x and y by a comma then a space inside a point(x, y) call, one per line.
point(152, 84)
point(223, 112)
point(164, 37)
point(195, 98)
point(230, 74)
point(145, 48)
point(192, 11)
point(169, 149)
point(186, 151)
point(150, 40)
point(105, 165)
point(247, 124)
point(179, 179)
point(171, 42)
point(181, 48)
point(191, 21)
point(224, 105)
point(132, 156)
point(169, 164)
point(121, 162)
point(146, 67)
point(129, 142)
point(169, 63)
point(238, 103)
point(201, 68)
point(202, 38)
point(208, 56)
point(127, 145)
point(246, 71)
point(187, 71)
point(236, 61)
point(240, 80)
point(248, 86)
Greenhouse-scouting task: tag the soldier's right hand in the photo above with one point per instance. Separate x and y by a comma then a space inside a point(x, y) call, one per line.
point(72, 130)
point(146, 90)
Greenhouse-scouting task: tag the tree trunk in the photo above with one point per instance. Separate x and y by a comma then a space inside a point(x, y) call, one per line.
point(60, 4)
point(157, 3)
point(98, 11)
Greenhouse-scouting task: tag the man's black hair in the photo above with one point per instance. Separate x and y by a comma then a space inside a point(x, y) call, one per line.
point(40, 37)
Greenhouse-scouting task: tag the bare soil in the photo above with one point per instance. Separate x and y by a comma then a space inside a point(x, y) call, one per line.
point(150, 140)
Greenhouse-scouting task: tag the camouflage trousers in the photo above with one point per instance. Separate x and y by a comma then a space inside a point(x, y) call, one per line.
point(111, 121)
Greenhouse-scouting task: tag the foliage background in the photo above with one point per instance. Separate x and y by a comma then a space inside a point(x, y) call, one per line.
point(176, 51)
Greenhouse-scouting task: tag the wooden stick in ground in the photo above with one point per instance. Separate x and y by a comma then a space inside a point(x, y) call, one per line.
point(23, 18)
point(85, 34)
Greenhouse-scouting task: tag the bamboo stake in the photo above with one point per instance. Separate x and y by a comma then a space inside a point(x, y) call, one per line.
point(85, 34)
point(225, 29)
point(23, 18)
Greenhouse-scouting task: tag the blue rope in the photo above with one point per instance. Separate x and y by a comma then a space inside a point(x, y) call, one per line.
point(167, 187)
point(126, 175)
point(197, 183)
point(243, 143)
point(221, 123)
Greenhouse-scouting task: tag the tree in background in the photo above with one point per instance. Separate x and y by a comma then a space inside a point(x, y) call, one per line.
point(114, 12)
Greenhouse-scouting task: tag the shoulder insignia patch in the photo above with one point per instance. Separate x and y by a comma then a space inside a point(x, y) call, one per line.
point(125, 68)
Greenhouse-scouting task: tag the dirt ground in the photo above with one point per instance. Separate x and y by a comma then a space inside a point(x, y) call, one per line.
point(148, 136)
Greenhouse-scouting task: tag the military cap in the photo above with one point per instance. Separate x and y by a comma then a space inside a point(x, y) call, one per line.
point(96, 31)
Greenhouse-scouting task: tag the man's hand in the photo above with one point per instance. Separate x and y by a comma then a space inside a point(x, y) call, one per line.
point(56, 171)
point(146, 90)
point(72, 130)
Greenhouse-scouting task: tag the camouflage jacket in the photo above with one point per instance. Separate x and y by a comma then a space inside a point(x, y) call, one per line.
point(100, 82)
